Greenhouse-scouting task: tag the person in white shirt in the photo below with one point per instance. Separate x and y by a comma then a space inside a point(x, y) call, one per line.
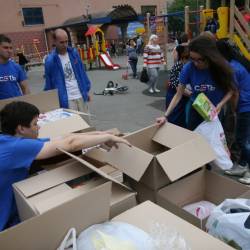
point(64, 71)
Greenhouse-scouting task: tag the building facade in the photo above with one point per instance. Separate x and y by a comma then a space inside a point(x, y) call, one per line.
point(25, 21)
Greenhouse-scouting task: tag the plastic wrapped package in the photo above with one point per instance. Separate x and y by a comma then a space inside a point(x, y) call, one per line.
point(201, 209)
point(123, 236)
point(230, 222)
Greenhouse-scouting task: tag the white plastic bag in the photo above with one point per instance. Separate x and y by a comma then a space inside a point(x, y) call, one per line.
point(213, 132)
point(69, 241)
point(113, 236)
point(230, 222)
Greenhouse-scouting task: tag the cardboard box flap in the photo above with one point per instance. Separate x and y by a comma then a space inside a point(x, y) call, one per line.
point(49, 229)
point(146, 215)
point(171, 135)
point(62, 127)
point(135, 167)
point(186, 158)
point(92, 167)
point(44, 101)
point(42, 182)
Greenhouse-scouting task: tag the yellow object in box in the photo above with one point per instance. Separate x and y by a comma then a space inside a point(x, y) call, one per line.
point(205, 107)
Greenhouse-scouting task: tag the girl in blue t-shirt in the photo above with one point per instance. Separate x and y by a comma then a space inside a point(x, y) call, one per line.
point(206, 72)
point(242, 108)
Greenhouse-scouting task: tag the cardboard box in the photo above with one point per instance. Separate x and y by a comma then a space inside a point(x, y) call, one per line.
point(203, 185)
point(144, 193)
point(47, 101)
point(143, 215)
point(49, 229)
point(159, 155)
point(47, 190)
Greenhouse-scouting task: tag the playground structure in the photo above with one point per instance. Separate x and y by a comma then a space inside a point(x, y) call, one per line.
point(96, 48)
point(233, 23)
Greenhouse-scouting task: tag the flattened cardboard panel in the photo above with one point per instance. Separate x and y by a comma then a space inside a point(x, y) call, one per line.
point(87, 164)
point(39, 183)
point(147, 213)
point(52, 202)
point(44, 101)
point(171, 135)
point(50, 228)
point(63, 126)
point(186, 158)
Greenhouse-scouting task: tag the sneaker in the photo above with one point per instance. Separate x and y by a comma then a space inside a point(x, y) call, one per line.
point(157, 90)
point(237, 171)
point(246, 178)
point(151, 91)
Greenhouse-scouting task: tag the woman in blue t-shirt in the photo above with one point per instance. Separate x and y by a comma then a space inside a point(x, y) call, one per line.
point(242, 108)
point(206, 73)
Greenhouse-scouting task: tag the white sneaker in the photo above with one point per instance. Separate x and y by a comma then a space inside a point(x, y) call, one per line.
point(157, 90)
point(245, 179)
point(237, 170)
point(151, 91)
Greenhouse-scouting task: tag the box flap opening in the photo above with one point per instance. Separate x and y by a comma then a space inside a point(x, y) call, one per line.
point(44, 101)
point(92, 167)
point(171, 135)
point(42, 182)
point(185, 158)
point(67, 125)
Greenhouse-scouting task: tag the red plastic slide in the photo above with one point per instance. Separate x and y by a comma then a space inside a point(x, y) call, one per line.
point(106, 59)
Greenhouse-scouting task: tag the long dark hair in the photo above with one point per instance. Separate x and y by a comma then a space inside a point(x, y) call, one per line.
point(231, 53)
point(220, 69)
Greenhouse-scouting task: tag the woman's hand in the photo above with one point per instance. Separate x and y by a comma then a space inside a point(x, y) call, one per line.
point(161, 120)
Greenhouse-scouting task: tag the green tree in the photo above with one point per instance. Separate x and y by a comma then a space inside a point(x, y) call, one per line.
point(176, 23)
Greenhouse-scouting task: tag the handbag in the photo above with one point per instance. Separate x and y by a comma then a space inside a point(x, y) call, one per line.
point(144, 76)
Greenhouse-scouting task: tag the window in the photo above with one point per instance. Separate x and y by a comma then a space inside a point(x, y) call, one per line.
point(33, 16)
point(148, 9)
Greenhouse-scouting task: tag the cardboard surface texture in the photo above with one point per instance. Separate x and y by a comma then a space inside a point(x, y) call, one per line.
point(203, 185)
point(47, 101)
point(45, 191)
point(48, 230)
point(159, 156)
point(147, 214)
point(44, 101)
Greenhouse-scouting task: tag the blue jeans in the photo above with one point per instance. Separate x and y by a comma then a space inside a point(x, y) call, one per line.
point(133, 64)
point(243, 137)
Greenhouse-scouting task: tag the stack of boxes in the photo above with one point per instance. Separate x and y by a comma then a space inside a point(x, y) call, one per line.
point(165, 165)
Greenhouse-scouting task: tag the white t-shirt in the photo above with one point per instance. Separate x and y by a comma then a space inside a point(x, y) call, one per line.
point(70, 79)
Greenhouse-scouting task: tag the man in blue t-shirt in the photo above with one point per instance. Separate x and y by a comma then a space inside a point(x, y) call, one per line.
point(12, 76)
point(20, 147)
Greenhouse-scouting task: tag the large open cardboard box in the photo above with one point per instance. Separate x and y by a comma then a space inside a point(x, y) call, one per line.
point(49, 189)
point(159, 155)
point(47, 101)
point(48, 230)
point(203, 185)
